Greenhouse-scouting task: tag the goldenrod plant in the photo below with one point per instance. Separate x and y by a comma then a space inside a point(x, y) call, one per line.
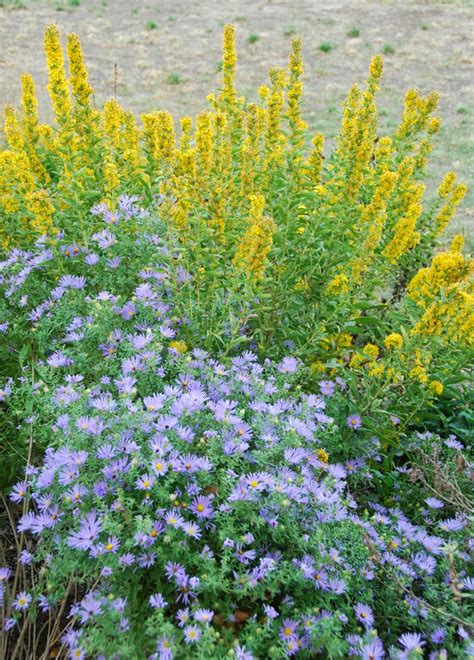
point(282, 242)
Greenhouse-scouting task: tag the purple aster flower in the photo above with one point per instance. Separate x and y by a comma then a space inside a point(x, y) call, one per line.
point(411, 641)
point(327, 387)
point(241, 653)
point(90, 527)
point(288, 365)
point(270, 612)
point(434, 503)
point(191, 529)
point(9, 624)
point(145, 482)
point(5, 574)
point(438, 636)
point(467, 583)
point(26, 557)
point(59, 359)
point(183, 617)
point(22, 601)
point(373, 650)
point(203, 616)
point(157, 601)
point(364, 614)
point(174, 519)
point(354, 422)
point(201, 506)
point(191, 634)
point(288, 630)
point(18, 492)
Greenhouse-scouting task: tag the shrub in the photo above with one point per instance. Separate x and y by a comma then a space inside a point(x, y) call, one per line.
point(189, 505)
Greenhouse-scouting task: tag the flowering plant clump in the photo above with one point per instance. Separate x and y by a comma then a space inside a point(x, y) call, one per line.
point(188, 505)
point(237, 374)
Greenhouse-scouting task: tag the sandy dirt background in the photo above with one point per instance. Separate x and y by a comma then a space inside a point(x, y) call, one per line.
point(167, 55)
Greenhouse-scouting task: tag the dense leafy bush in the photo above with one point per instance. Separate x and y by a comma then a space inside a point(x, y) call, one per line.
point(179, 491)
point(227, 383)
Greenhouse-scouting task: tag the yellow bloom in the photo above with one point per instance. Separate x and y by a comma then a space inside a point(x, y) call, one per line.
point(371, 350)
point(436, 388)
point(42, 210)
point(323, 456)
point(252, 252)
point(295, 92)
point(58, 88)
point(446, 213)
point(29, 103)
point(178, 346)
point(229, 61)
point(393, 341)
point(81, 90)
point(339, 284)
point(314, 163)
point(447, 184)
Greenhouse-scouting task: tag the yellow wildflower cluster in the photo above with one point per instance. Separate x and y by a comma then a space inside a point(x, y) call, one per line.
point(252, 252)
point(393, 341)
point(444, 291)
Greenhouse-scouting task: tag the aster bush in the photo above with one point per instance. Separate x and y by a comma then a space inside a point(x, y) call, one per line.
point(191, 507)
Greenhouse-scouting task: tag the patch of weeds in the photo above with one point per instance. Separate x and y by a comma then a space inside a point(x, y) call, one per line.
point(289, 31)
point(73, 3)
point(325, 46)
point(135, 12)
point(219, 66)
point(174, 79)
point(253, 38)
point(171, 19)
point(151, 25)
point(462, 110)
point(425, 27)
point(240, 19)
point(388, 50)
point(354, 33)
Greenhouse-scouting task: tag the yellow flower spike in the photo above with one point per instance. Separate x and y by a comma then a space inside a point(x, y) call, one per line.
point(229, 61)
point(81, 90)
point(375, 73)
point(447, 211)
point(295, 93)
point(457, 244)
point(40, 206)
point(393, 341)
point(405, 236)
point(434, 126)
point(447, 184)
point(58, 88)
point(217, 210)
point(166, 136)
point(314, 163)
point(254, 127)
point(29, 104)
point(129, 140)
point(383, 153)
point(13, 129)
point(112, 117)
point(252, 252)
point(204, 148)
point(111, 179)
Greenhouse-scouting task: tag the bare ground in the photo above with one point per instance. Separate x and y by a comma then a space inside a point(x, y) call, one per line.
point(167, 55)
